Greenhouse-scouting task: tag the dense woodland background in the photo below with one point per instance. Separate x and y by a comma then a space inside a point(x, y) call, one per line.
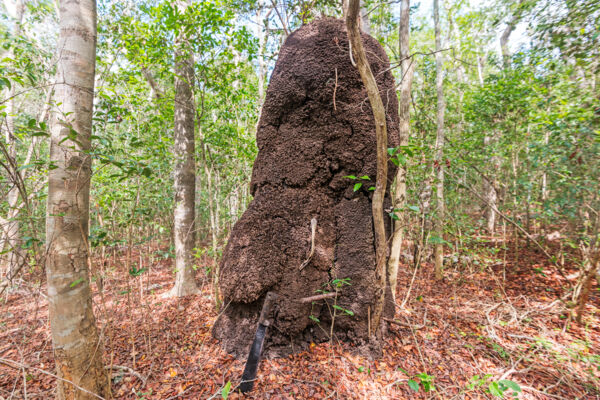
point(501, 125)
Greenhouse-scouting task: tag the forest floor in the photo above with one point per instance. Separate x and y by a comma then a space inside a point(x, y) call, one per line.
point(488, 321)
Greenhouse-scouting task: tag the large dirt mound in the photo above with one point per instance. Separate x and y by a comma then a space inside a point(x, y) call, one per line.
point(316, 128)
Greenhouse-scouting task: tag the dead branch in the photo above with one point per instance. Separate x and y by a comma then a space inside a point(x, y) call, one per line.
point(318, 297)
point(130, 371)
point(407, 325)
point(313, 230)
point(19, 366)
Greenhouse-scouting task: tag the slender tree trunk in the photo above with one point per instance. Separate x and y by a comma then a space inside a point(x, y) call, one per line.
point(217, 225)
point(480, 63)
point(544, 174)
point(489, 141)
point(185, 167)
point(407, 70)
point(439, 146)
point(345, 8)
point(77, 347)
point(364, 18)
point(12, 239)
point(591, 264)
point(213, 227)
point(504, 43)
point(510, 27)
point(381, 246)
point(262, 42)
point(489, 188)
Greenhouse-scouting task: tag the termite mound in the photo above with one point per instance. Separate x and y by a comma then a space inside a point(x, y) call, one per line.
point(316, 129)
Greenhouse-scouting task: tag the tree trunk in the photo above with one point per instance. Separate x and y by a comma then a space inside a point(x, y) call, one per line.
point(262, 43)
point(12, 233)
point(489, 187)
point(480, 65)
point(381, 248)
point(364, 18)
point(407, 70)
point(439, 146)
point(213, 226)
point(510, 27)
point(77, 346)
point(544, 174)
point(504, 43)
point(185, 168)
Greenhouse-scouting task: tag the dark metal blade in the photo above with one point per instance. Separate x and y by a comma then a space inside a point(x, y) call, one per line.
point(249, 375)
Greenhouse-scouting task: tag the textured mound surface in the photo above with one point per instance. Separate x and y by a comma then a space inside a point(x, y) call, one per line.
point(316, 128)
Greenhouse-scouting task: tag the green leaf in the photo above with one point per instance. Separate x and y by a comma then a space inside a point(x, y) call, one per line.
point(414, 208)
point(4, 82)
point(350, 177)
point(495, 390)
point(413, 385)
point(436, 240)
point(365, 177)
point(137, 272)
point(146, 172)
point(510, 384)
point(226, 390)
point(77, 282)
point(357, 186)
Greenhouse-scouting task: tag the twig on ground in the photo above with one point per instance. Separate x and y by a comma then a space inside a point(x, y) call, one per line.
point(405, 325)
point(183, 392)
point(18, 366)
point(129, 371)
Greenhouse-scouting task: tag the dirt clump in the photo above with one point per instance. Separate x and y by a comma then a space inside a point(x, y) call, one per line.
point(316, 129)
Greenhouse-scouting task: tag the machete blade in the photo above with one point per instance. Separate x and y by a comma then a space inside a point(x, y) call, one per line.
point(251, 368)
point(249, 375)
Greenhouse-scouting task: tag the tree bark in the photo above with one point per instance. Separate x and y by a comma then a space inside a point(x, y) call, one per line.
point(504, 43)
point(262, 43)
point(439, 146)
point(381, 249)
point(489, 186)
point(407, 70)
point(364, 18)
point(12, 232)
point(76, 342)
point(185, 167)
point(213, 225)
point(510, 27)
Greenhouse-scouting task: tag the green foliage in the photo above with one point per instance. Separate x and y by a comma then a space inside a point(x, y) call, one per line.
point(226, 390)
point(495, 388)
point(502, 387)
point(424, 380)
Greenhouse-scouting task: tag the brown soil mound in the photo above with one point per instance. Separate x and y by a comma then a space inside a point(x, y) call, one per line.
point(315, 129)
